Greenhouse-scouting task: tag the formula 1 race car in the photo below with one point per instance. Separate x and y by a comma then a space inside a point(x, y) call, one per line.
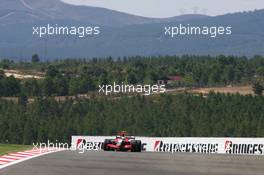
point(123, 143)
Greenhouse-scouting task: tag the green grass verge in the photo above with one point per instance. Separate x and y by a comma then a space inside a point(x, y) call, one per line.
point(9, 148)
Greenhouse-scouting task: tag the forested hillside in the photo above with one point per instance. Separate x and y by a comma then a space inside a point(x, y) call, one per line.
point(72, 77)
point(179, 115)
point(182, 114)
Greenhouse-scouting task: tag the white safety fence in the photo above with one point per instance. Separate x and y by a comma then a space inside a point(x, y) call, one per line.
point(244, 146)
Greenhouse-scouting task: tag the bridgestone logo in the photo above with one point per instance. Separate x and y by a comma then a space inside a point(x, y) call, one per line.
point(232, 148)
point(160, 146)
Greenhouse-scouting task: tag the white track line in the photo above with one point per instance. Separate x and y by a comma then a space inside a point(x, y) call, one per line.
point(40, 150)
point(11, 157)
point(37, 150)
point(6, 159)
point(2, 163)
point(26, 158)
point(31, 151)
point(27, 154)
point(17, 155)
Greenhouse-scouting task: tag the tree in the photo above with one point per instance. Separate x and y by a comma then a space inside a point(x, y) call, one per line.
point(23, 99)
point(61, 85)
point(2, 74)
point(52, 71)
point(27, 133)
point(74, 86)
point(258, 88)
point(188, 80)
point(12, 86)
point(48, 86)
point(86, 84)
point(260, 71)
point(35, 58)
point(31, 87)
point(131, 78)
point(6, 64)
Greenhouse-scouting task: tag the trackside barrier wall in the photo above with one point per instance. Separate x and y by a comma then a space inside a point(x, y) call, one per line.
point(245, 146)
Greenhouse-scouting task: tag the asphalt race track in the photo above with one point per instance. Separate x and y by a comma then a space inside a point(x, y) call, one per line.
point(120, 163)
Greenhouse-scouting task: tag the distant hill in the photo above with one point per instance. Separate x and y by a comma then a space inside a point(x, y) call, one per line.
point(21, 11)
point(48, 10)
point(121, 34)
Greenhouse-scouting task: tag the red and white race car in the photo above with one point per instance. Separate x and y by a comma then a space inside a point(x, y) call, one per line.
point(123, 143)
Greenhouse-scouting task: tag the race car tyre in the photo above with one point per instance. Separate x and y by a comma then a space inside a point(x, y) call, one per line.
point(138, 145)
point(133, 146)
point(106, 142)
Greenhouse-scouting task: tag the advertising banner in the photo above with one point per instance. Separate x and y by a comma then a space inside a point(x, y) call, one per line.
point(243, 146)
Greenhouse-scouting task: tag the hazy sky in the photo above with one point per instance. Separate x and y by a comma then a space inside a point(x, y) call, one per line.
point(168, 8)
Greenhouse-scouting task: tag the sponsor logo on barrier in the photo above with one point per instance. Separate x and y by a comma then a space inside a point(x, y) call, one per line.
point(234, 148)
point(80, 142)
point(160, 146)
point(84, 145)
